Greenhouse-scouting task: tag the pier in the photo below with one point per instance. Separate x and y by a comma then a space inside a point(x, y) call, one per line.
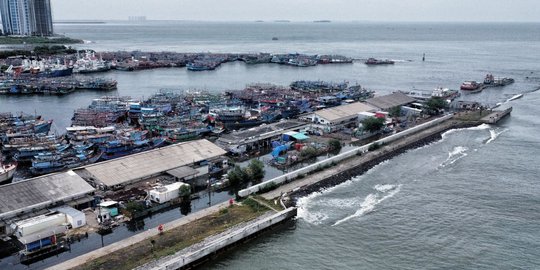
point(496, 116)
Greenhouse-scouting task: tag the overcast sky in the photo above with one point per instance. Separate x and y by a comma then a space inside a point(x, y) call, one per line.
point(301, 10)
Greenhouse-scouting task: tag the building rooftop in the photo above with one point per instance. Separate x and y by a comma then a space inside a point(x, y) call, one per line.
point(339, 113)
point(146, 164)
point(40, 192)
point(260, 132)
point(389, 101)
point(182, 172)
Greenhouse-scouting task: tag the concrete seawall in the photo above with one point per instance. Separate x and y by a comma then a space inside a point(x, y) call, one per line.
point(436, 123)
point(183, 260)
point(360, 163)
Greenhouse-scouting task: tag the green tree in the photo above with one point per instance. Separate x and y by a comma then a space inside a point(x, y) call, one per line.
point(394, 111)
point(308, 152)
point(238, 177)
point(334, 145)
point(373, 124)
point(184, 190)
point(435, 104)
point(256, 170)
point(134, 207)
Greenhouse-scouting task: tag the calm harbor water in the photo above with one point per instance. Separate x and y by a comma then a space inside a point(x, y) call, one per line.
point(470, 200)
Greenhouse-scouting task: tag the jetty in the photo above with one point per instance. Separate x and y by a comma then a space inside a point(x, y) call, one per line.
point(496, 116)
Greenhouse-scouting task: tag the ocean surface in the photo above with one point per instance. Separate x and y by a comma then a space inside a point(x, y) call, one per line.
point(468, 201)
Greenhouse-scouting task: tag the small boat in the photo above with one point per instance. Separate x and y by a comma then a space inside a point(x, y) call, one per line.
point(373, 61)
point(274, 38)
point(7, 171)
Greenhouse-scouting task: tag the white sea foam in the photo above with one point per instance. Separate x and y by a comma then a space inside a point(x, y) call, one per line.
point(371, 200)
point(456, 154)
point(479, 127)
point(494, 134)
point(313, 217)
point(384, 188)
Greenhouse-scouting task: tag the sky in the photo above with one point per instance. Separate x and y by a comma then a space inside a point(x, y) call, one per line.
point(301, 10)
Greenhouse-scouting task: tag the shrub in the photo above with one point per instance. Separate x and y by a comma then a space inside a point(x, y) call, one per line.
point(334, 145)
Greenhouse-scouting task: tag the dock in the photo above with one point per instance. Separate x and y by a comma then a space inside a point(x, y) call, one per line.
point(496, 116)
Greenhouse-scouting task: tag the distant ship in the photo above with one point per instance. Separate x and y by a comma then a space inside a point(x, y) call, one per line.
point(491, 81)
point(373, 61)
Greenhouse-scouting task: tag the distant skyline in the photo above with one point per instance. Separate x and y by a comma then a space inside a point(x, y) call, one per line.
point(301, 10)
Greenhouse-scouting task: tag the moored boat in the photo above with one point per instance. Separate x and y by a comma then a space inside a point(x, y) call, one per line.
point(7, 170)
point(491, 81)
point(472, 86)
point(373, 61)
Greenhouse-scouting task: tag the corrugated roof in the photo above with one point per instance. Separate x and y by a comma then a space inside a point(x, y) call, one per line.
point(389, 101)
point(336, 114)
point(182, 172)
point(139, 166)
point(38, 193)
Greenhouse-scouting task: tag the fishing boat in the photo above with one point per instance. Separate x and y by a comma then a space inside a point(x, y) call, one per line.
point(490, 81)
point(119, 148)
point(471, 86)
point(25, 154)
point(45, 163)
point(202, 65)
point(7, 170)
point(373, 61)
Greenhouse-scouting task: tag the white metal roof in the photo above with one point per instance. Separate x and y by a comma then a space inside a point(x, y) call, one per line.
point(68, 210)
point(143, 165)
point(40, 192)
point(107, 203)
point(339, 113)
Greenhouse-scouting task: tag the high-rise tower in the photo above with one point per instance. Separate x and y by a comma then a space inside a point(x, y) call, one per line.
point(26, 17)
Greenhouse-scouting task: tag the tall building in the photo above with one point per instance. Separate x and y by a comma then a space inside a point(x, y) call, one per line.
point(26, 17)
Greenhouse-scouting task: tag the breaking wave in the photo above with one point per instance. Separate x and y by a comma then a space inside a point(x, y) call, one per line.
point(368, 205)
point(494, 134)
point(456, 154)
point(479, 127)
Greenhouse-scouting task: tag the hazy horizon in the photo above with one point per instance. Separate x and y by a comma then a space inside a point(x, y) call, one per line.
point(301, 10)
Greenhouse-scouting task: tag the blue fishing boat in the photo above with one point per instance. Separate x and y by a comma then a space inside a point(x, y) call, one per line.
point(119, 148)
point(53, 162)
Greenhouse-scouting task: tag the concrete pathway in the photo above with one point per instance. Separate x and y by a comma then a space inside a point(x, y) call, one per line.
point(80, 260)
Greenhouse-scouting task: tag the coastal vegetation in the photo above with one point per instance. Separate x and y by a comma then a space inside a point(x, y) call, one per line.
point(240, 177)
point(44, 50)
point(373, 124)
point(334, 145)
point(178, 238)
point(12, 40)
point(435, 105)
